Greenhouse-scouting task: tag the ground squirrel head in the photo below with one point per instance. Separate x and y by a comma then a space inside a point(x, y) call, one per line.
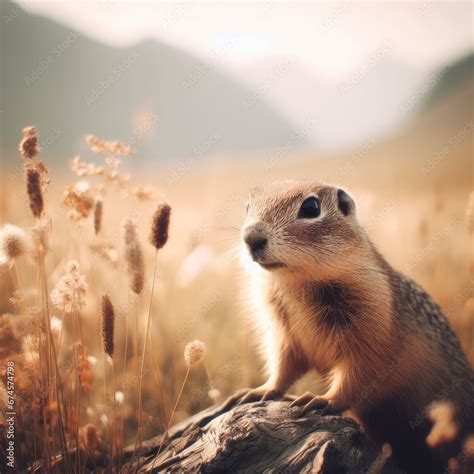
point(300, 226)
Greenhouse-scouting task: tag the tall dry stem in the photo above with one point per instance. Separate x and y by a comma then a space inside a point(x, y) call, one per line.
point(142, 365)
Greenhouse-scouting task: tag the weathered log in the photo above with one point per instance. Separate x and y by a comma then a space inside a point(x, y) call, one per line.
point(262, 437)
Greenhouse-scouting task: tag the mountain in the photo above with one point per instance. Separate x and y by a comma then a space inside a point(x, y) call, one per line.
point(450, 77)
point(369, 103)
point(165, 102)
point(435, 147)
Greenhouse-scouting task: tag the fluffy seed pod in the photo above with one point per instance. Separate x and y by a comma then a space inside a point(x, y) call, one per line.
point(34, 192)
point(70, 291)
point(14, 242)
point(194, 352)
point(108, 319)
point(160, 225)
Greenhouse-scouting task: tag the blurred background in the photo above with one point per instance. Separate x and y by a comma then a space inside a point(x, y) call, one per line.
point(215, 98)
point(222, 78)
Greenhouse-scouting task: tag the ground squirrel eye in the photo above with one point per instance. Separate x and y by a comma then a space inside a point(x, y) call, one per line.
point(310, 208)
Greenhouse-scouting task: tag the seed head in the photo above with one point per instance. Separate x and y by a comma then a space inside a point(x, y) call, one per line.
point(108, 319)
point(90, 438)
point(34, 192)
point(194, 352)
point(69, 293)
point(160, 225)
point(98, 209)
point(29, 147)
point(133, 256)
point(14, 243)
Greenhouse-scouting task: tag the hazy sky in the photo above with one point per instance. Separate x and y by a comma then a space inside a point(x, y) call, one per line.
point(331, 39)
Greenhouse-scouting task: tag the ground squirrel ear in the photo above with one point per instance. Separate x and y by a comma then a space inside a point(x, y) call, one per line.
point(345, 203)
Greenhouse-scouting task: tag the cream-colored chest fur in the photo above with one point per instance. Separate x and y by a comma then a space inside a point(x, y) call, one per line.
point(284, 320)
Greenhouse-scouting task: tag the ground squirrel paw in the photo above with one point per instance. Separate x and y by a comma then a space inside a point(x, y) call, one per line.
point(309, 401)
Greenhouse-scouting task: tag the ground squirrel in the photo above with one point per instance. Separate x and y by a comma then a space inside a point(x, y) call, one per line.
point(325, 299)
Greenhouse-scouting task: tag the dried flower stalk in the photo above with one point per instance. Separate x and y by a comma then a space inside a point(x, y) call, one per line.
point(108, 319)
point(134, 256)
point(160, 225)
point(34, 192)
point(98, 211)
point(29, 147)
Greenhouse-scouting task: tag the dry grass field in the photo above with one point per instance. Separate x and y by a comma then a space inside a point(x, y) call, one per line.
point(413, 205)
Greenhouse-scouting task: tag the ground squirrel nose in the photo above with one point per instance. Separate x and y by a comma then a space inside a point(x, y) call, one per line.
point(255, 239)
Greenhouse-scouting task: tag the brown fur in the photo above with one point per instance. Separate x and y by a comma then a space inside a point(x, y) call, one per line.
point(335, 305)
